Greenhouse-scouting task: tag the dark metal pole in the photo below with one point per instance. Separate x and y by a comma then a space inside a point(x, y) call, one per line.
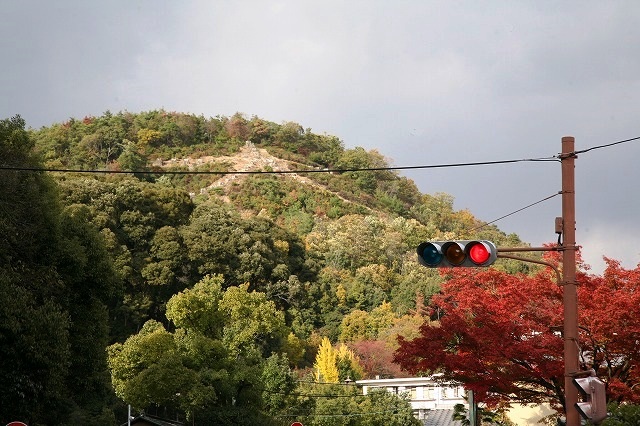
point(570, 295)
point(473, 409)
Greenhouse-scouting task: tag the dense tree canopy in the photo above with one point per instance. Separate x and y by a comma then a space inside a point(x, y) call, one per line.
point(56, 282)
point(211, 363)
point(214, 291)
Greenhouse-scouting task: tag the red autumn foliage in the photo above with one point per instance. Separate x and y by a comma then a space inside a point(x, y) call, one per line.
point(376, 359)
point(501, 334)
point(610, 329)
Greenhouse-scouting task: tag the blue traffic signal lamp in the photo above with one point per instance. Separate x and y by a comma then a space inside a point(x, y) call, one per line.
point(593, 392)
point(458, 253)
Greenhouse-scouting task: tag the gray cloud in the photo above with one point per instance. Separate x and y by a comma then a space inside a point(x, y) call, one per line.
point(424, 82)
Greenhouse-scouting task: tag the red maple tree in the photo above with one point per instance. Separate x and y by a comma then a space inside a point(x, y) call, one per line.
point(501, 334)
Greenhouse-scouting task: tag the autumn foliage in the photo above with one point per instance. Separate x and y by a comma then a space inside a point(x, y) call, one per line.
point(501, 334)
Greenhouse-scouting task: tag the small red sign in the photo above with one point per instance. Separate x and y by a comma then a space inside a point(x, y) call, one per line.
point(16, 424)
point(296, 424)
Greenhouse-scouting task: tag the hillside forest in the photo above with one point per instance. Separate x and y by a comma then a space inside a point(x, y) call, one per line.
point(232, 270)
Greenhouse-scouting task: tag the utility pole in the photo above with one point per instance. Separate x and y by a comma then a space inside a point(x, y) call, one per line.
point(570, 294)
point(473, 409)
point(433, 253)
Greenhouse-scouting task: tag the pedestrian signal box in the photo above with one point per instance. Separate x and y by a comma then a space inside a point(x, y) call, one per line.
point(594, 404)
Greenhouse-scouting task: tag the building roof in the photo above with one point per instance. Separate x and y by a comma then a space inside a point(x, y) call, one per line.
point(441, 418)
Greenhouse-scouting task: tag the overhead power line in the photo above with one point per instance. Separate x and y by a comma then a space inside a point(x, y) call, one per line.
point(555, 158)
point(558, 193)
point(316, 395)
point(368, 413)
point(517, 211)
point(257, 172)
point(607, 145)
point(307, 382)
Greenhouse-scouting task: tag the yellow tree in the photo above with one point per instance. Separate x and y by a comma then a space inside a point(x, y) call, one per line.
point(326, 363)
point(348, 364)
point(334, 365)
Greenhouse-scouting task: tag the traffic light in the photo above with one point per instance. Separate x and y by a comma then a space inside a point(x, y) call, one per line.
point(594, 405)
point(460, 253)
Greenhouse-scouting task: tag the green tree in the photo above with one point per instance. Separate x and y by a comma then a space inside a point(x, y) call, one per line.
point(213, 366)
point(168, 264)
point(326, 149)
point(349, 368)
point(355, 326)
point(148, 368)
point(278, 383)
point(387, 409)
point(132, 157)
point(85, 268)
point(342, 405)
point(35, 353)
point(254, 327)
point(55, 283)
point(289, 135)
point(485, 417)
point(622, 415)
point(128, 214)
point(358, 158)
point(251, 250)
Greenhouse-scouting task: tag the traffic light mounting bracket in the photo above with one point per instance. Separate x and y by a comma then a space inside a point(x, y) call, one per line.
point(525, 259)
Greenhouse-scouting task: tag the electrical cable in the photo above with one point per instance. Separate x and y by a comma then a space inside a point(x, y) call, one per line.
point(606, 145)
point(559, 156)
point(394, 411)
point(313, 395)
point(555, 158)
point(355, 169)
point(301, 392)
point(258, 172)
point(517, 211)
point(325, 383)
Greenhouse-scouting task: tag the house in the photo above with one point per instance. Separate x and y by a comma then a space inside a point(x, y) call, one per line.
point(431, 401)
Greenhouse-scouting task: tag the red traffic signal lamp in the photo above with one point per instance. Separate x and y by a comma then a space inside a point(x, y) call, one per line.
point(458, 253)
point(593, 392)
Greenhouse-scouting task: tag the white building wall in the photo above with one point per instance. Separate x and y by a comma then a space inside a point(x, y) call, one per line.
point(425, 392)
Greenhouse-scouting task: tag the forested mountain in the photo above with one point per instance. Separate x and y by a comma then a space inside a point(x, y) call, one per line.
point(149, 268)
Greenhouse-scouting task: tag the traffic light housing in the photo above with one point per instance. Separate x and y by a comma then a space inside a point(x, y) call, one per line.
point(593, 392)
point(458, 253)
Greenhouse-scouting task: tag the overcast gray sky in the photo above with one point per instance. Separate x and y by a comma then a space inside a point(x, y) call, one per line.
point(423, 82)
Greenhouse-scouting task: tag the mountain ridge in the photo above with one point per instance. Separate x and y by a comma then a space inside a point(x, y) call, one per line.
point(249, 159)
